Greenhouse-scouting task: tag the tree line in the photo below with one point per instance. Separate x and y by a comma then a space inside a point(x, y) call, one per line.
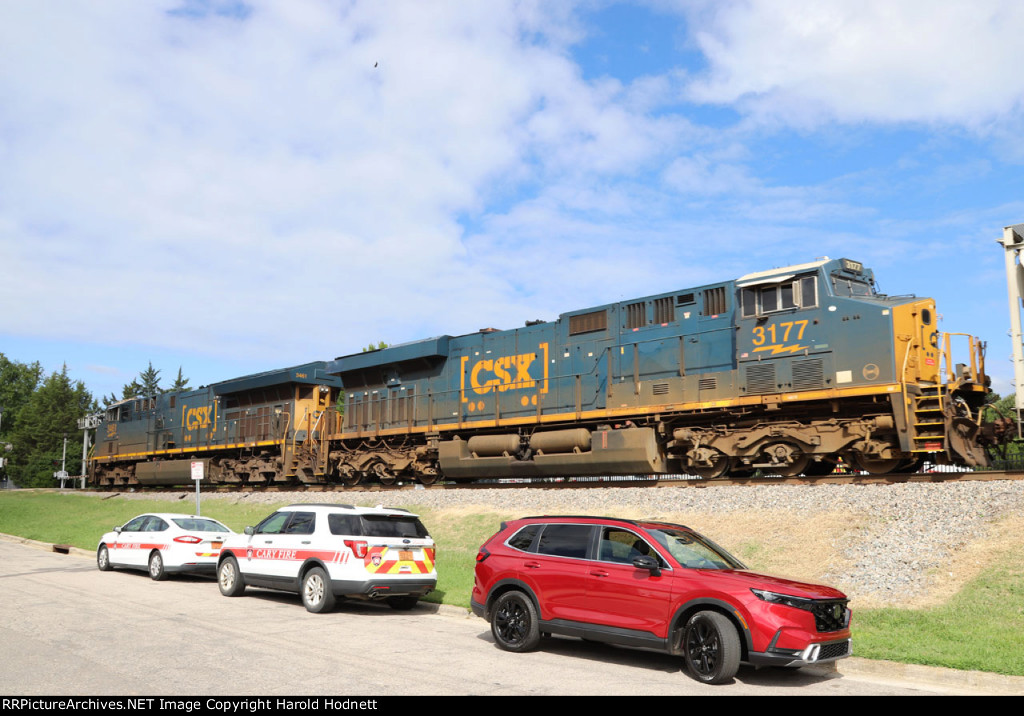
point(37, 412)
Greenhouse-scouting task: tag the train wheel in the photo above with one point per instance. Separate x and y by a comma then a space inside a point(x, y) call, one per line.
point(798, 466)
point(349, 476)
point(877, 466)
point(720, 466)
point(789, 460)
point(384, 475)
point(427, 478)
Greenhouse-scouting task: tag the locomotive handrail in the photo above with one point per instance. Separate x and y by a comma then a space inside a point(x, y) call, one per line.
point(903, 383)
point(974, 349)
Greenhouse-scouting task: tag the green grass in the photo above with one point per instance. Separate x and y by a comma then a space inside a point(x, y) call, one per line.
point(979, 629)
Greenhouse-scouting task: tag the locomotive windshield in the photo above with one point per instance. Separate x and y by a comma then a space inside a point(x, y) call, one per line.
point(857, 287)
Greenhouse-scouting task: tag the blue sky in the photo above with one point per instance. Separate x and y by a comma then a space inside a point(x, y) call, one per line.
point(230, 187)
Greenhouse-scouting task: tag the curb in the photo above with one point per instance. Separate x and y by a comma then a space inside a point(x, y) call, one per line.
point(936, 678)
point(47, 546)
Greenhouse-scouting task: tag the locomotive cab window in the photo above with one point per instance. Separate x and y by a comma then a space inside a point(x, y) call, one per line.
point(853, 287)
point(786, 295)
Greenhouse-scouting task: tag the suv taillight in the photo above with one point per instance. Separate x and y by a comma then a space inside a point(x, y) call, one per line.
point(358, 547)
point(189, 539)
point(482, 555)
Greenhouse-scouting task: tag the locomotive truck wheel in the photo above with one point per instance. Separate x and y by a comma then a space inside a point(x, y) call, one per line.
point(427, 478)
point(384, 475)
point(350, 477)
point(793, 469)
point(791, 460)
point(719, 467)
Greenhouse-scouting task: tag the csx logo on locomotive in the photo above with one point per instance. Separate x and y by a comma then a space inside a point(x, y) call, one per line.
point(195, 418)
point(510, 372)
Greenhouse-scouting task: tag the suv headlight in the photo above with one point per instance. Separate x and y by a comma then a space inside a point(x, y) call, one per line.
point(775, 598)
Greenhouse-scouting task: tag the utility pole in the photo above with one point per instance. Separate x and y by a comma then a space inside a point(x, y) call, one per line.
point(1013, 243)
point(89, 422)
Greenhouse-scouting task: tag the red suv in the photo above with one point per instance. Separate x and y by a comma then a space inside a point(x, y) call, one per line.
point(653, 585)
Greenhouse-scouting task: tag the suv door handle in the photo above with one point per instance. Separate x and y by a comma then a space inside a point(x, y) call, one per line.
point(532, 565)
point(598, 573)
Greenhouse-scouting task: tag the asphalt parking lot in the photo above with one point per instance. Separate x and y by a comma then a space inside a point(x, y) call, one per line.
point(71, 629)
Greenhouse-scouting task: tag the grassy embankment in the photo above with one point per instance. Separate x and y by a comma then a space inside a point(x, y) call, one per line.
point(978, 628)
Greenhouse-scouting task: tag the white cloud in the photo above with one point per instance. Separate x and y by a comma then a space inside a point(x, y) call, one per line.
point(206, 179)
point(807, 61)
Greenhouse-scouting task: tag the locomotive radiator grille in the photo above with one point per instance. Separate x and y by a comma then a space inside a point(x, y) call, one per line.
point(761, 379)
point(808, 374)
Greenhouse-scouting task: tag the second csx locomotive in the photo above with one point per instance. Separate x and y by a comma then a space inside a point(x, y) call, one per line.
point(785, 371)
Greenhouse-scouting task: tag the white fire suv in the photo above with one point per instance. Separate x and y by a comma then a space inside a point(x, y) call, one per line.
point(324, 552)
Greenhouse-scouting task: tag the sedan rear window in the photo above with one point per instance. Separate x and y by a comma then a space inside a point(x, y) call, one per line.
point(198, 524)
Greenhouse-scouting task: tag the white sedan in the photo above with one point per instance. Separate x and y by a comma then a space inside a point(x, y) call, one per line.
point(163, 543)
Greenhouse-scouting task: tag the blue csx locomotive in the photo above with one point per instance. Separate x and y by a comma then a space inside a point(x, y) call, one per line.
point(785, 371)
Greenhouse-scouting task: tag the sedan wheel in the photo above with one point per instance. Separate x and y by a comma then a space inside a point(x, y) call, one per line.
point(156, 566)
point(103, 559)
point(711, 647)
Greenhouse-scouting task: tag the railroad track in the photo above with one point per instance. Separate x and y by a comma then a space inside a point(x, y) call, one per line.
point(556, 483)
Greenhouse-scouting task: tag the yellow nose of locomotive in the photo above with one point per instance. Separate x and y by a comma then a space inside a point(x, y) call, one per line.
point(916, 336)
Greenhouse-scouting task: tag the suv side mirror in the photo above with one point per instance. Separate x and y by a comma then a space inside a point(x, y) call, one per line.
point(250, 531)
point(649, 563)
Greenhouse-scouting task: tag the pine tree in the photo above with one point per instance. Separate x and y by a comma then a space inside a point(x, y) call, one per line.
point(50, 414)
point(149, 381)
point(180, 383)
point(17, 382)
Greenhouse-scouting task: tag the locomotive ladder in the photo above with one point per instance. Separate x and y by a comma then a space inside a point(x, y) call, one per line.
point(309, 447)
point(930, 420)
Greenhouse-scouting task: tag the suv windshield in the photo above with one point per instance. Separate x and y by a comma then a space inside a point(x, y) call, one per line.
point(692, 550)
